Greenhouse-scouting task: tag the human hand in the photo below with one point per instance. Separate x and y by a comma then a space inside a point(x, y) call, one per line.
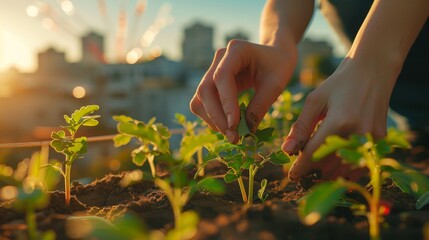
point(354, 100)
point(242, 65)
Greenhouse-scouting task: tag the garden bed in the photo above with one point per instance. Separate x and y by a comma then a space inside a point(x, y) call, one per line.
point(221, 216)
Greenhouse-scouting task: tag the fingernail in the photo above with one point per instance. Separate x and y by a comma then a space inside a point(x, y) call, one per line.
point(230, 136)
point(289, 146)
point(253, 122)
point(229, 119)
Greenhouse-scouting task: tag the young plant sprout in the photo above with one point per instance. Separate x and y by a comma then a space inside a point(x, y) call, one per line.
point(178, 187)
point(246, 155)
point(72, 147)
point(194, 141)
point(152, 138)
point(362, 152)
point(27, 186)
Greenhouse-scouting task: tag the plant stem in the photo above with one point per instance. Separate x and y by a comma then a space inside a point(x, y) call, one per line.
point(177, 206)
point(374, 217)
point(67, 183)
point(151, 160)
point(242, 189)
point(200, 162)
point(251, 180)
point(31, 224)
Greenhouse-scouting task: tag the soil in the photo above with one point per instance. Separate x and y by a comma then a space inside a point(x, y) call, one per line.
point(221, 217)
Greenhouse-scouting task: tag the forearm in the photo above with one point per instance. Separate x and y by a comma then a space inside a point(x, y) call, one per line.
point(283, 22)
point(388, 33)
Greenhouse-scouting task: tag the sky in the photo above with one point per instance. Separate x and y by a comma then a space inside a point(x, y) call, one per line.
point(22, 36)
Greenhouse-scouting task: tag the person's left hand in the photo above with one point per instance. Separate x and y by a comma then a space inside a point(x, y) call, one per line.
point(354, 100)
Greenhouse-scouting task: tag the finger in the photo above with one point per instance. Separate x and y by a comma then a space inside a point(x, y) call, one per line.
point(264, 97)
point(329, 166)
point(342, 170)
point(302, 129)
point(197, 108)
point(304, 164)
point(208, 96)
point(235, 60)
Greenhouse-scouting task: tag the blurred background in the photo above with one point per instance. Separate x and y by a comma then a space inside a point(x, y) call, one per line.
point(140, 58)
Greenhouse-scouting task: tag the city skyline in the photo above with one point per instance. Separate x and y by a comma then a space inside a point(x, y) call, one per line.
point(20, 44)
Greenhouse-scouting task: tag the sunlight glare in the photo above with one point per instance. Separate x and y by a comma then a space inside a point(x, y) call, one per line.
point(32, 11)
point(48, 23)
point(79, 92)
point(13, 51)
point(67, 7)
point(134, 55)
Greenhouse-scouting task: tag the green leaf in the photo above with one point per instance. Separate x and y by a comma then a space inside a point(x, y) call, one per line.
point(192, 143)
point(121, 140)
point(139, 157)
point(122, 118)
point(408, 180)
point(243, 129)
point(211, 185)
point(331, 145)
point(31, 199)
point(382, 148)
point(265, 134)
point(279, 157)
point(77, 115)
point(320, 201)
point(155, 134)
point(230, 176)
point(179, 178)
point(350, 156)
point(422, 201)
point(235, 162)
point(180, 118)
point(247, 162)
point(90, 122)
point(60, 145)
point(49, 235)
point(396, 138)
point(58, 135)
point(78, 146)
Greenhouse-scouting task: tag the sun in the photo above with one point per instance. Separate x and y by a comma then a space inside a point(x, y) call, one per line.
point(14, 52)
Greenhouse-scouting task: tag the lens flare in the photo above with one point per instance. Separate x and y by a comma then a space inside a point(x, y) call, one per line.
point(32, 11)
point(79, 92)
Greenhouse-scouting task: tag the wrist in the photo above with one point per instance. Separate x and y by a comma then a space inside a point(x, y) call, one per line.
point(384, 66)
point(281, 41)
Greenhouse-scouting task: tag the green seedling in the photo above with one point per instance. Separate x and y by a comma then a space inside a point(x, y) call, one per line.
point(178, 187)
point(127, 227)
point(247, 155)
point(72, 147)
point(194, 141)
point(27, 186)
point(152, 138)
point(362, 151)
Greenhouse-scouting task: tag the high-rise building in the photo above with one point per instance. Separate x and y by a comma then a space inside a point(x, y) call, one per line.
point(198, 46)
point(93, 49)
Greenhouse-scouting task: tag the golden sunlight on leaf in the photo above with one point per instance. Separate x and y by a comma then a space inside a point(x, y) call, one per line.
point(312, 218)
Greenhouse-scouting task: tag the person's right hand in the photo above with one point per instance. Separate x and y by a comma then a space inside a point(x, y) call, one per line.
point(242, 65)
